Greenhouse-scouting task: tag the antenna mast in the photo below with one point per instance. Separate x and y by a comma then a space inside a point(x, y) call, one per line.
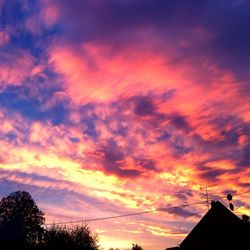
point(204, 190)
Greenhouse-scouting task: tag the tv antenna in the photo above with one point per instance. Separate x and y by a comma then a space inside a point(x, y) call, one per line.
point(204, 190)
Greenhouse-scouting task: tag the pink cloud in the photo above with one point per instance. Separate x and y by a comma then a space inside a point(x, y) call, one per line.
point(93, 75)
point(4, 38)
point(15, 67)
point(49, 15)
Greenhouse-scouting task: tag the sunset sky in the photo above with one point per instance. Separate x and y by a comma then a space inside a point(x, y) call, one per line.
point(109, 107)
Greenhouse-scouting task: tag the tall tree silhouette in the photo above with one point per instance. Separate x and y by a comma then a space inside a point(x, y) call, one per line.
point(20, 220)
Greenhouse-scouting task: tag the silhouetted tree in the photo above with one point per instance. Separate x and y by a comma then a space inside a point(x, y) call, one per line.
point(20, 220)
point(136, 247)
point(57, 238)
point(74, 238)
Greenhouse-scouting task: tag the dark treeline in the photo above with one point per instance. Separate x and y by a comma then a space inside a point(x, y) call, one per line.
point(21, 227)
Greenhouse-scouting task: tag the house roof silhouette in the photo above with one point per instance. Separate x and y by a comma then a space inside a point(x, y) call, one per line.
point(218, 229)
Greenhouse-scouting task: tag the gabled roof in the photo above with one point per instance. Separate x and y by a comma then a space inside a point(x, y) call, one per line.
point(218, 229)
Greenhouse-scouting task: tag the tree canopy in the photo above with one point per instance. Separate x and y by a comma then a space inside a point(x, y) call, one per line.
point(73, 238)
point(20, 219)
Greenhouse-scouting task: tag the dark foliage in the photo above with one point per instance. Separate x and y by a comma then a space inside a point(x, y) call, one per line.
point(136, 247)
point(73, 238)
point(20, 220)
point(21, 227)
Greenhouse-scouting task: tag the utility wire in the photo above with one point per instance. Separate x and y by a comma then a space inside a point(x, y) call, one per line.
point(126, 215)
point(138, 213)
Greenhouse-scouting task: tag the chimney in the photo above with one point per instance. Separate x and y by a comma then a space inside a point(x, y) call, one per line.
point(213, 203)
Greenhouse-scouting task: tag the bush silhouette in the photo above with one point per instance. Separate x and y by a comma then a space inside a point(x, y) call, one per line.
point(136, 247)
point(73, 238)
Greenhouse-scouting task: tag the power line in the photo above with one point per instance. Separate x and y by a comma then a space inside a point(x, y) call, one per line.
point(125, 215)
point(137, 213)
